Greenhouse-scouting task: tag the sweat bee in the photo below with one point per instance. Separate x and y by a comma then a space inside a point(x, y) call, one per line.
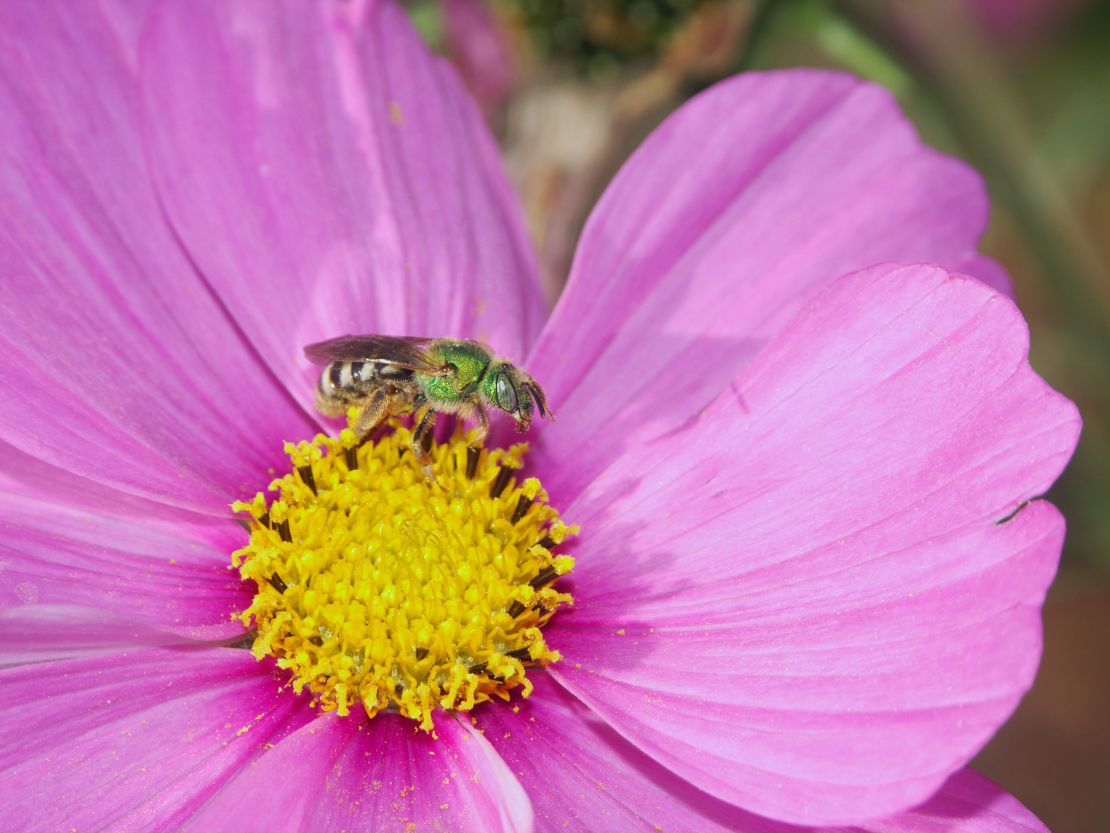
point(384, 376)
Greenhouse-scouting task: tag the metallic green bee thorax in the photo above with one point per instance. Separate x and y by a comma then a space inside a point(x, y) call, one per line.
point(470, 361)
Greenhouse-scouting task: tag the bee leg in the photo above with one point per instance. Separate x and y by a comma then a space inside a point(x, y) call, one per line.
point(422, 441)
point(483, 427)
point(373, 412)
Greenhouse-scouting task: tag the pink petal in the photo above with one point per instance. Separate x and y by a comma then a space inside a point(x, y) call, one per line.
point(737, 210)
point(31, 632)
point(968, 803)
point(118, 363)
point(87, 569)
point(135, 741)
point(125, 556)
point(29, 477)
point(806, 601)
point(583, 777)
point(329, 176)
point(344, 774)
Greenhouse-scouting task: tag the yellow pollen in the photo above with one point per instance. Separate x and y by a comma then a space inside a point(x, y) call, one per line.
point(380, 586)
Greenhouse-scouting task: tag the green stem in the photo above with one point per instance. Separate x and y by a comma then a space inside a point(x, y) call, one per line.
point(761, 25)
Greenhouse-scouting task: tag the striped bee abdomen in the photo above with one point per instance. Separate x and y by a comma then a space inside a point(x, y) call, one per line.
point(352, 380)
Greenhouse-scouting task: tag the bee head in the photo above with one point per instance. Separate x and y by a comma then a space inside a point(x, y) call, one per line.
point(513, 391)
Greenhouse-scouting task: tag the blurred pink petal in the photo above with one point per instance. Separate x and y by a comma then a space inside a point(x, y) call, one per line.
point(584, 777)
point(120, 364)
point(813, 565)
point(738, 209)
point(1017, 20)
point(479, 48)
point(328, 177)
point(134, 741)
point(380, 776)
point(988, 270)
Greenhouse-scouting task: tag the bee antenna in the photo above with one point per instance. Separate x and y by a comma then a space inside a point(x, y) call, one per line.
point(538, 397)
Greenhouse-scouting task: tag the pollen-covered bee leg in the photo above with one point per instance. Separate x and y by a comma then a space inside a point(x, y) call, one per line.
point(330, 406)
point(373, 413)
point(422, 442)
point(483, 427)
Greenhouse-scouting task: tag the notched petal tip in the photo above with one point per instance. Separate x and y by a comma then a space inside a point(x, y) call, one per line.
point(841, 582)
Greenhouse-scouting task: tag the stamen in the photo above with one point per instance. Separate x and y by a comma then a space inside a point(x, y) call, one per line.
point(504, 474)
point(548, 574)
point(306, 475)
point(522, 507)
point(277, 583)
point(404, 592)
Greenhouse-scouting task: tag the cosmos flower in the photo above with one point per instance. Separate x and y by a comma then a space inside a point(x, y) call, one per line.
point(811, 557)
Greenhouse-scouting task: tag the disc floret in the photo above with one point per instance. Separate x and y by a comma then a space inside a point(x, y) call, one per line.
point(379, 585)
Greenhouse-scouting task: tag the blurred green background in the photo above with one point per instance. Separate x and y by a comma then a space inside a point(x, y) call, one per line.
point(1019, 88)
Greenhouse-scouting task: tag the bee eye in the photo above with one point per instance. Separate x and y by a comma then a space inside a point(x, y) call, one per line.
point(506, 394)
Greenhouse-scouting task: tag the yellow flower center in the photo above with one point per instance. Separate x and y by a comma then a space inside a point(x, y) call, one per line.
point(380, 586)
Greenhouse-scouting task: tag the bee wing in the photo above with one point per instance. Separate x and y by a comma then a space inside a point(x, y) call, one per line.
point(401, 351)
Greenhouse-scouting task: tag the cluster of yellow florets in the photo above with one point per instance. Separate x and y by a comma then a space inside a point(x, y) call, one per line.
point(380, 586)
